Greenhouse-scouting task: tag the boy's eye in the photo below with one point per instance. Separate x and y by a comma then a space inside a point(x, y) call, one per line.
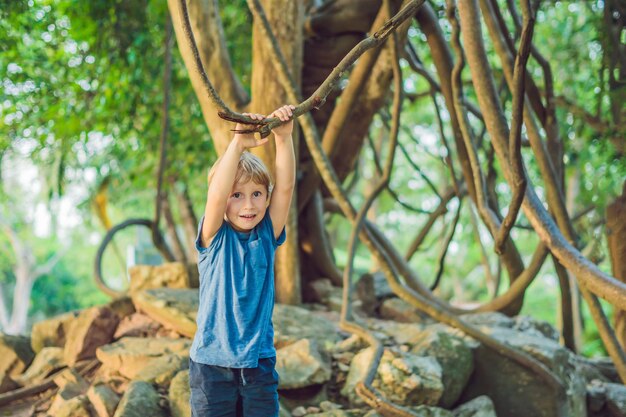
point(236, 195)
point(257, 194)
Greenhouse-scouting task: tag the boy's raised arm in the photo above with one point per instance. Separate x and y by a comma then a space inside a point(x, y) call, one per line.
point(221, 184)
point(285, 170)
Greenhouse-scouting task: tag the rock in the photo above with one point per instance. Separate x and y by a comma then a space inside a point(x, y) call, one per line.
point(15, 354)
point(71, 385)
point(122, 306)
point(137, 325)
point(428, 411)
point(298, 411)
point(282, 411)
point(131, 355)
point(615, 399)
point(515, 390)
point(163, 369)
point(168, 275)
point(408, 379)
point(74, 407)
point(454, 356)
point(51, 332)
point(179, 395)
point(103, 399)
point(400, 332)
point(329, 406)
point(478, 407)
point(596, 396)
point(606, 399)
point(530, 325)
point(48, 360)
point(399, 310)
point(174, 308)
point(353, 343)
point(300, 365)
point(7, 383)
point(372, 290)
point(309, 396)
point(402, 378)
point(140, 400)
point(92, 328)
point(320, 290)
point(358, 370)
point(606, 367)
point(335, 413)
point(489, 320)
point(588, 370)
point(323, 291)
point(419, 411)
point(292, 323)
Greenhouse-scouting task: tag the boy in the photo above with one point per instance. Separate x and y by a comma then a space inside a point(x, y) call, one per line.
point(231, 371)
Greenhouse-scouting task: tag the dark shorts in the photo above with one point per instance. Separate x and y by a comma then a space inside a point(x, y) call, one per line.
point(234, 392)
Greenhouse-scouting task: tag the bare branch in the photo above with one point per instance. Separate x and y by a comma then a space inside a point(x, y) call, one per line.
point(606, 333)
point(515, 135)
point(446, 245)
point(318, 97)
point(438, 212)
point(198, 66)
point(381, 183)
point(589, 275)
point(488, 216)
point(49, 265)
point(568, 293)
point(332, 182)
point(342, 111)
point(390, 190)
point(203, 20)
point(161, 196)
point(547, 167)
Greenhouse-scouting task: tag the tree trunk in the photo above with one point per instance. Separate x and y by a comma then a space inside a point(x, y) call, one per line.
point(21, 301)
point(286, 18)
point(616, 236)
point(170, 230)
point(189, 221)
point(209, 35)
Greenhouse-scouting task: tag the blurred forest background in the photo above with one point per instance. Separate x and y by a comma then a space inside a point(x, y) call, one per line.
point(81, 105)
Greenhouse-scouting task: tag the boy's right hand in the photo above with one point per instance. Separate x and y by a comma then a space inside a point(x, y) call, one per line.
point(248, 140)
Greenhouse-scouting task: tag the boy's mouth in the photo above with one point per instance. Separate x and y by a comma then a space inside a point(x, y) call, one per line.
point(247, 216)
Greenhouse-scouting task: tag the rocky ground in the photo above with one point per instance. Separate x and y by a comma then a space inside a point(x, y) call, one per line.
point(130, 358)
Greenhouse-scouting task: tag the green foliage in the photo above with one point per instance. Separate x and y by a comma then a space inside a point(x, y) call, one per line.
point(85, 91)
point(70, 285)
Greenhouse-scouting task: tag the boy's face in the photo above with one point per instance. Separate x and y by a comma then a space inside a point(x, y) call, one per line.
point(246, 205)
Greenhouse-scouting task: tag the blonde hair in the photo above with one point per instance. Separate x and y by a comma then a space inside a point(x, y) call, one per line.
point(249, 168)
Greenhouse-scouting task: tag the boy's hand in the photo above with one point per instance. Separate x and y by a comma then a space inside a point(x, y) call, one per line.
point(284, 113)
point(247, 140)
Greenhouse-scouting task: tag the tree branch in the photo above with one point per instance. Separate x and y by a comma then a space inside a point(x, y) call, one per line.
point(209, 47)
point(318, 97)
point(515, 135)
point(438, 212)
point(589, 276)
point(332, 182)
point(444, 250)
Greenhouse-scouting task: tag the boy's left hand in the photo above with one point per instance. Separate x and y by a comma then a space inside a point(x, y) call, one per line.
point(284, 113)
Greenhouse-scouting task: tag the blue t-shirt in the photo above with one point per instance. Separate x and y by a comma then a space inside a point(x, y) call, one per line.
point(236, 296)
